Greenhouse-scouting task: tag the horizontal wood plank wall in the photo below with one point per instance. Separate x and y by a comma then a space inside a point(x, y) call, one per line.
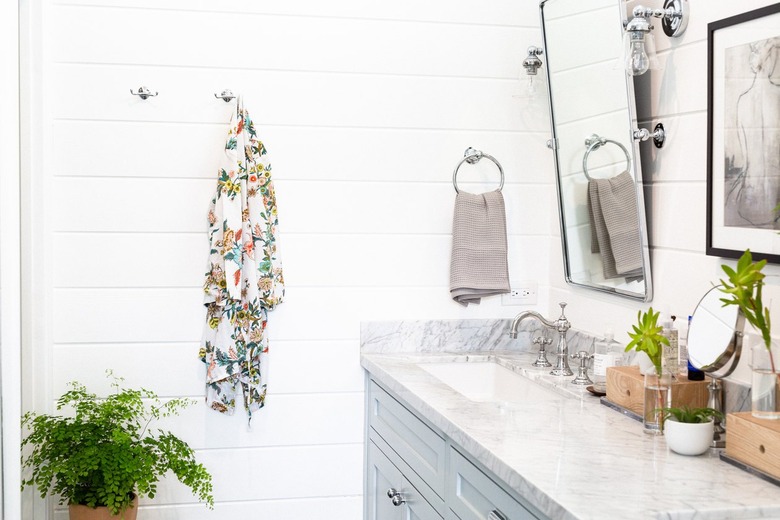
point(365, 108)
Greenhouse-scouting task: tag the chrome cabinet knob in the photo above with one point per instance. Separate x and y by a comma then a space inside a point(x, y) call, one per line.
point(395, 496)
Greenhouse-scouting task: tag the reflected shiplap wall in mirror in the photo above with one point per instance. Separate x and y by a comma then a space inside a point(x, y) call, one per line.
point(590, 94)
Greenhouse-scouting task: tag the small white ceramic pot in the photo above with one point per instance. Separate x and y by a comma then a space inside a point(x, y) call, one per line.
point(688, 438)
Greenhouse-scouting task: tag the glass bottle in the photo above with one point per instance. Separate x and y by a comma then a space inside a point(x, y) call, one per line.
point(606, 353)
point(670, 359)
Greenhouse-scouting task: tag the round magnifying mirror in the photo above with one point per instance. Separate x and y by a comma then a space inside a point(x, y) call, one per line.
point(715, 335)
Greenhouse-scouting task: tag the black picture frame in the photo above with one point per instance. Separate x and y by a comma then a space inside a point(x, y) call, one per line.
point(733, 186)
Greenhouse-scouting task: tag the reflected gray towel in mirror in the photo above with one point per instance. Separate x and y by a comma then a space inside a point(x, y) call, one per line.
point(478, 267)
point(614, 222)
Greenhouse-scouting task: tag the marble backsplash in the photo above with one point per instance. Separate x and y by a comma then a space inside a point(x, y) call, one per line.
point(491, 335)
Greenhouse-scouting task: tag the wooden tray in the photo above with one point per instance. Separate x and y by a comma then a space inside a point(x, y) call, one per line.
point(626, 388)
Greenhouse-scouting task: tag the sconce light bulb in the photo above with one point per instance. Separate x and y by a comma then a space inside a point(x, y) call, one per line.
point(638, 62)
point(531, 86)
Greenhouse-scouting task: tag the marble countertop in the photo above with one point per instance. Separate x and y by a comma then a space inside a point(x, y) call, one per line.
point(574, 458)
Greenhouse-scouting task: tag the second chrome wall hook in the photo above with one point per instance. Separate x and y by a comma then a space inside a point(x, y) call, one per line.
point(226, 96)
point(143, 92)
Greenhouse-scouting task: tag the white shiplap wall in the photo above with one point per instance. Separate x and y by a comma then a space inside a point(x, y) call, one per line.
point(365, 107)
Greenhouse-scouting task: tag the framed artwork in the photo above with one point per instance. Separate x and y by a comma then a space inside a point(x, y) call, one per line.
point(743, 135)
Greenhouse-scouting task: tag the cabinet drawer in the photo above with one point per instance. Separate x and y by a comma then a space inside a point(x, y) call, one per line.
point(384, 476)
point(474, 496)
point(419, 446)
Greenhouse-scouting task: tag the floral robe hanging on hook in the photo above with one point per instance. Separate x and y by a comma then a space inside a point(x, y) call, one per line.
point(244, 277)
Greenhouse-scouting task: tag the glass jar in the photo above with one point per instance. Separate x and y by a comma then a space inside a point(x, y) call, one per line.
point(658, 395)
point(765, 368)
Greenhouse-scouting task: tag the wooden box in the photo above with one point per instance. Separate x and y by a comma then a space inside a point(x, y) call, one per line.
point(755, 442)
point(625, 388)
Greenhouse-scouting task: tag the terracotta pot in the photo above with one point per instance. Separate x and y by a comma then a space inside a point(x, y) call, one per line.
point(80, 512)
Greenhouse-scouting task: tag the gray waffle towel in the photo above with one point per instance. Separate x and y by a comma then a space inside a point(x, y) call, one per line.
point(615, 226)
point(479, 263)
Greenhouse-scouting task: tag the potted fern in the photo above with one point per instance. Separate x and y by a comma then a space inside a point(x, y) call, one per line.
point(689, 431)
point(646, 337)
point(104, 456)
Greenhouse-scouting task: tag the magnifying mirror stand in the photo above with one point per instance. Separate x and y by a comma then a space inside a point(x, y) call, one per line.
point(715, 401)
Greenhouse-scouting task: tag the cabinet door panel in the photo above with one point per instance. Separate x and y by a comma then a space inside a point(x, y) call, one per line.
point(420, 447)
point(382, 476)
point(474, 496)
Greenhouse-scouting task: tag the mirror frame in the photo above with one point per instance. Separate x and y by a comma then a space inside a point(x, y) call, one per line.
point(637, 175)
point(729, 357)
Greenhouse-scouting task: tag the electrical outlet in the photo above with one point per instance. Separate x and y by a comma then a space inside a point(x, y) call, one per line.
point(520, 293)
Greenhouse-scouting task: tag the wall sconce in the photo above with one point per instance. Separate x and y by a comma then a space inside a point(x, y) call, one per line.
point(531, 64)
point(639, 44)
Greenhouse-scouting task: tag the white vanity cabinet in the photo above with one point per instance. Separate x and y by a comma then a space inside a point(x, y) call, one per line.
point(428, 476)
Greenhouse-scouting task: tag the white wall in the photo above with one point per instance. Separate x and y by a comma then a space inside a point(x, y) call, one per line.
point(365, 107)
point(676, 184)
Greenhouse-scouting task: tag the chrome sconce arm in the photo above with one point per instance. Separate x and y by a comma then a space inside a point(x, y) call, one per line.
point(674, 16)
point(658, 135)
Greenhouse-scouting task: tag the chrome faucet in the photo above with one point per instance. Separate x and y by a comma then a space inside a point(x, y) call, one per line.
point(562, 325)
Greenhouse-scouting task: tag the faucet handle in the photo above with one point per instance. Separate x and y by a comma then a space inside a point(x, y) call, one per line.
point(541, 340)
point(582, 373)
point(541, 358)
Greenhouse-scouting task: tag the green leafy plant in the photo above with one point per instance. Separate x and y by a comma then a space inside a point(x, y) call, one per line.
point(686, 414)
point(105, 453)
point(647, 338)
point(744, 287)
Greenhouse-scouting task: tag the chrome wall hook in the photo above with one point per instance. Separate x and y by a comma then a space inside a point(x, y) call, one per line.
point(226, 96)
point(143, 93)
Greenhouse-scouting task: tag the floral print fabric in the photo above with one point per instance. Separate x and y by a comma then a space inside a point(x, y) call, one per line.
point(244, 277)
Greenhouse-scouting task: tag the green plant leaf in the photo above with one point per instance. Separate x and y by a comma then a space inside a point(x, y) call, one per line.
point(686, 414)
point(647, 337)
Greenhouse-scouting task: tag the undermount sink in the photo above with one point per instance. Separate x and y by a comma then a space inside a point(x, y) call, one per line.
point(488, 381)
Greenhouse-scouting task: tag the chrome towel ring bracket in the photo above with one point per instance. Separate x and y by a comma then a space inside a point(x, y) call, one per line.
point(473, 156)
point(594, 142)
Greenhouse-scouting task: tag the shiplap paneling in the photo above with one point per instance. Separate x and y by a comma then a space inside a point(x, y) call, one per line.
point(291, 509)
point(286, 43)
point(296, 367)
point(174, 315)
point(366, 108)
point(297, 152)
point(166, 205)
point(300, 98)
point(275, 473)
point(502, 12)
point(343, 260)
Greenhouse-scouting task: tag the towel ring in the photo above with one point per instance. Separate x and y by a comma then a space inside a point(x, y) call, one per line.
point(594, 142)
point(473, 156)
